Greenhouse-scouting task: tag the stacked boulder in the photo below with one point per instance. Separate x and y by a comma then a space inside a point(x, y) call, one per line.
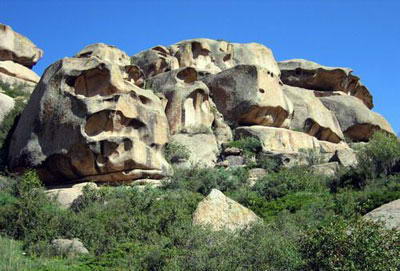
point(105, 117)
point(17, 56)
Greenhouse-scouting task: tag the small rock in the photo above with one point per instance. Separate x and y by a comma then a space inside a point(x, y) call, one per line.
point(232, 151)
point(221, 212)
point(67, 195)
point(235, 161)
point(346, 157)
point(327, 169)
point(145, 182)
point(69, 248)
point(256, 174)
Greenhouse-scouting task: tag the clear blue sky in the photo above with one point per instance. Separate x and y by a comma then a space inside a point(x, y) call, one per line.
point(360, 34)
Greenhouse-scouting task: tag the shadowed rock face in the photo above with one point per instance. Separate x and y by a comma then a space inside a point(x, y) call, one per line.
point(205, 55)
point(310, 75)
point(356, 120)
point(187, 102)
point(17, 48)
point(84, 121)
point(250, 95)
point(311, 116)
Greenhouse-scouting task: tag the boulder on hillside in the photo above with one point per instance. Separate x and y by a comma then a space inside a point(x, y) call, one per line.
point(187, 102)
point(68, 247)
point(311, 116)
point(345, 157)
point(205, 55)
point(280, 140)
point(310, 75)
point(66, 196)
point(6, 105)
point(222, 213)
point(17, 48)
point(356, 121)
point(388, 213)
point(250, 95)
point(203, 149)
point(84, 121)
point(327, 169)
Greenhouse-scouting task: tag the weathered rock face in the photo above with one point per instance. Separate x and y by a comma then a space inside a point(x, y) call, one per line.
point(356, 121)
point(85, 121)
point(17, 48)
point(287, 141)
point(250, 95)
point(106, 52)
point(14, 74)
point(328, 169)
point(203, 149)
point(187, 103)
point(310, 75)
point(206, 55)
point(6, 105)
point(222, 213)
point(346, 157)
point(311, 116)
point(388, 213)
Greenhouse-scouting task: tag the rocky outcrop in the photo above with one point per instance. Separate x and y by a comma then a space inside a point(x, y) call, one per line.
point(186, 100)
point(6, 105)
point(222, 213)
point(326, 169)
point(107, 53)
point(311, 116)
point(310, 75)
point(356, 121)
point(14, 74)
point(205, 55)
point(388, 213)
point(250, 95)
point(17, 48)
point(345, 157)
point(66, 196)
point(286, 141)
point(87, 120)
point(203, 149)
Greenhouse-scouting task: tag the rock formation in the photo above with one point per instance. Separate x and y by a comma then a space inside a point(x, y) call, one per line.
point(6, 105)
point(87, 120)
point(388, 214)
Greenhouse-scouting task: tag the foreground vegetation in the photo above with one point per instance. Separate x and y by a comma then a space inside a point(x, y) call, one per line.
point(310, 222)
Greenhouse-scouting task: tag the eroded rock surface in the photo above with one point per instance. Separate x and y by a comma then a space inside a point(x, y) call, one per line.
point(206, 55)
point(311, 116)
point(356, 121)
point(14, 74)
point(18, 48)
point(222, 213)
point(85, 121)
point(250, 95)
point(310, 75)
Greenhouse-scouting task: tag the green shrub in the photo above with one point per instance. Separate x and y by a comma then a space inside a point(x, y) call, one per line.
point(358, 245)
point(279, 184)
point(175, 152)
point(250, 145)
point(202, 180)
point(312, 156)
point(14, 91)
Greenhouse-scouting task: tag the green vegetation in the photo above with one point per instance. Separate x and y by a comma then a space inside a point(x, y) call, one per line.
point(175, 152)
point(310, 222)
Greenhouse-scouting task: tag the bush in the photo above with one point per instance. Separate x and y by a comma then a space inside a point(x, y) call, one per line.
point(250, 145)
point(175, 152)
point(202, 180)
point(312, 156)
point(354, 245)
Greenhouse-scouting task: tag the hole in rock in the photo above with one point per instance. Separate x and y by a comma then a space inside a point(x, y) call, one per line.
point(261, 90)
point(197, 50)
point(188, 75)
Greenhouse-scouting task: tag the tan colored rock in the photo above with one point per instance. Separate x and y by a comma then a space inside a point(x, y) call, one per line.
point(85, 122)
point(255, 174)
point(388, 213)
point(18, 48)
point(205, 55)
point(203, 149)
point(222, 213)
point(327, 169)
point(66, 196)
point(16, 70)
point(311, 116)
point(106, 52)
point(286, 141)
point(250, 95)
point(310, 75)
point(356, 121)
point(6, 105)
point(188, 106)
point(346, 157)
point(68, 247)
point(8, 80)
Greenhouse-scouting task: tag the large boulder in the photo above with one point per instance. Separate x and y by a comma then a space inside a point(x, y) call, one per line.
point(311, 116)
point(222, 213)
point(250, 95)
point(14, 74)
point(17, 48)
point(280, 140)
point(187, 102)
point(6, 105)
point(310, 75)
point(388, 213)
point(66, 196)
point(206, 55)
point(85, 121)
point(203, 149)
point(356, 121)
point(68, 247)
